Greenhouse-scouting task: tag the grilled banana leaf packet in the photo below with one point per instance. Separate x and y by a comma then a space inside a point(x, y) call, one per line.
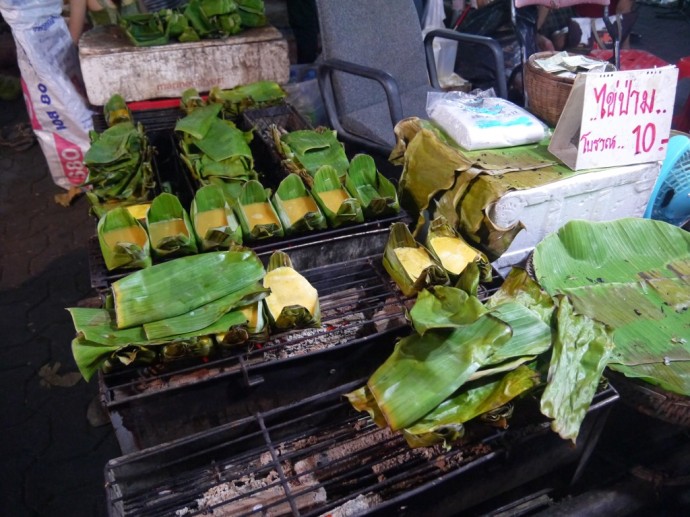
point(293, 302)
point(409, 263)
point(375, 193)
point(336, 203)
point(296, 208)
point(256, 214)
point(215, 224)
point(123, 240)
point(170, 230)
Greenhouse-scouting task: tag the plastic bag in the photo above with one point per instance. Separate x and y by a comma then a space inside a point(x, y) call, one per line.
point(51, 81)
point(479, 120)
point(445, 50)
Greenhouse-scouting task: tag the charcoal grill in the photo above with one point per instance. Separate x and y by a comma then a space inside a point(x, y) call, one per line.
point(320, 457)
point(363, 313)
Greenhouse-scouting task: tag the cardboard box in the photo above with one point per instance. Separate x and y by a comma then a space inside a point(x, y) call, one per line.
point(111, 64)
point(598, 195)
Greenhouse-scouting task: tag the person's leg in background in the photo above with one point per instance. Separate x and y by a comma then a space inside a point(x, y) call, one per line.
point(304, 23)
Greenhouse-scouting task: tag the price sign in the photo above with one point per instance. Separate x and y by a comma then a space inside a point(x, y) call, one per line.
point(616, 118)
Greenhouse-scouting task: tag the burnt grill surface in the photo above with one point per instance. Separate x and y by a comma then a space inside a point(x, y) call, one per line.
point(320, 457)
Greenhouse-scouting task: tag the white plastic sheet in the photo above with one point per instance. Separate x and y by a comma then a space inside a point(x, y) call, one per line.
point(52, 84)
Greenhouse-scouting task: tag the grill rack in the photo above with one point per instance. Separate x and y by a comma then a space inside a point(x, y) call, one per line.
point(315, 456)
point(363, 313)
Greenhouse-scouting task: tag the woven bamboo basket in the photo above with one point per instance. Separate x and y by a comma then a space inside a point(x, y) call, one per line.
point(546, 93)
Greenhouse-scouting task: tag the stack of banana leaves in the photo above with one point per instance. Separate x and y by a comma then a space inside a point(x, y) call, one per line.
point(440, 177)
point(179, 308)
point(214, 150)
point(119, 161)
point(197, 20)
point(304, 151)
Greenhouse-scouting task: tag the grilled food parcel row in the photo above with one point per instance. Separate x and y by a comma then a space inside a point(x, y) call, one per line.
point(194, 306)
point(547, 336)
point(133, 239)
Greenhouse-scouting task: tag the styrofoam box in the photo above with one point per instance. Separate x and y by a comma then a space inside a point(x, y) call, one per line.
point(111, 64)
point(598, 195)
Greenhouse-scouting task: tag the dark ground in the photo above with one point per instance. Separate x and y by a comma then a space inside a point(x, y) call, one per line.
point(55, 440)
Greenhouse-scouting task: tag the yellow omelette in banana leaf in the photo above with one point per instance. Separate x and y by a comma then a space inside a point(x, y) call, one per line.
point(336, 203)
point(123, 240)
point(215, 224)
point(376, 194)
point(256, 214)
point(293, 302)
point(409, 263)
point(296, 208)
point(169, 228)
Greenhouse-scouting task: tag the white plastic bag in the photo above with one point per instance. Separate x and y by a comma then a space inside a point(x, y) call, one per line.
point(53, 88)
point(445, 50)
point(482, 121)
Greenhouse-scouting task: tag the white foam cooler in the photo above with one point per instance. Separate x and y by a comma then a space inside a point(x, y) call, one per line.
point(597, 195)
point(111, 64)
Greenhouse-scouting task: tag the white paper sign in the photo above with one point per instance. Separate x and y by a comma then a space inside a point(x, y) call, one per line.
point(616, 118)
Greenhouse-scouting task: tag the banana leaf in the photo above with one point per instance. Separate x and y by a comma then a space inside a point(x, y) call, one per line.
point(181, 285)
point(175, 22)
point(123, 240)
point(98, 337)
point(642, 264)
point(223, 140)
point(442, 307)
point(119, 161)
point(256, 328)
point(259, 94)
point(116, 110)
point(453, 252)
point(252, 13)
point(184, 349)
point(375, 193)
point(334, 200)
point(199, 118)
point(296, 208)
point(213, 18)
point(424, 370)
point(170, 231)
point(445, 422)
point(293, 302)
point(144, 29)
point(189, 101)
point(214, 222)
point(256, 214)
point(520, 287)
point(304, 151)
point(410, 264)
point(582, 347)
point(204, 316)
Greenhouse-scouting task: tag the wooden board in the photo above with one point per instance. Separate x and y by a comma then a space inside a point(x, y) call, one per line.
point(111, 64)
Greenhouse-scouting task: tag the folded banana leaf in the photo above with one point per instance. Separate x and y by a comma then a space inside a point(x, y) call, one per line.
point(189, 101)
point(255, 329)
point(185, 349)
point(206, 315)
point(119, 161)
point(336, 203)
point(409, 263)
point(176, 24)
point(304, 151)
point(256, 214)
point(123, 240)
point(181, 285)
point(144, 29)
point(213, 18)
point(642, 264)
point(296, 208)
point(99, 340)
point(170, 230)
point(445, 423)
point(214, 222)
point(116, 110)
point(252, 13)
point(375, 193)
point(199, 116)
point(453, 252)
point(259, 94)
point(293, 302)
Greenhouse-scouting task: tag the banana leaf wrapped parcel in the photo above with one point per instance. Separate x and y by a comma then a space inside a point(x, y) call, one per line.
point(296, 208)
point(256, 213)
point(375, 193)
point(336, 203)
point(293, 302)
point(259, 94)
point(170, 230)
point(213, 219)
point(123, 240)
